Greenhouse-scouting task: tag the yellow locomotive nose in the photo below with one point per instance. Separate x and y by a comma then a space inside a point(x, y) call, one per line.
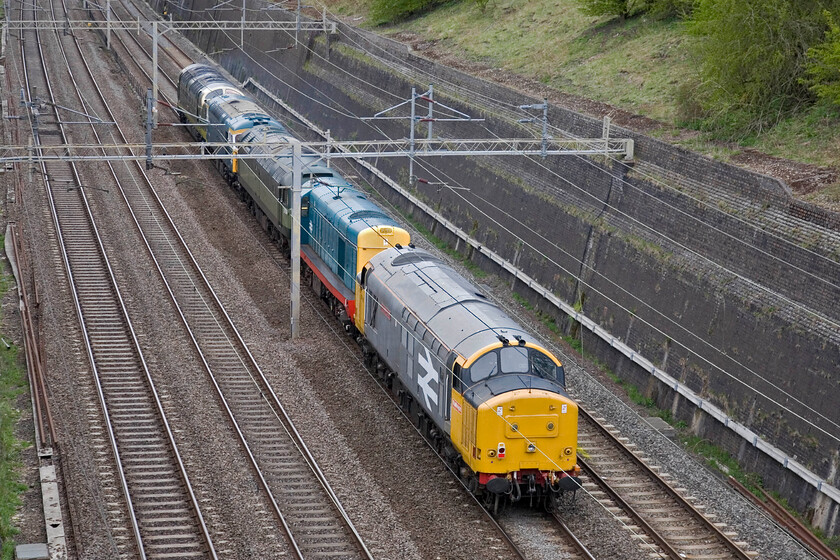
point(526, 429)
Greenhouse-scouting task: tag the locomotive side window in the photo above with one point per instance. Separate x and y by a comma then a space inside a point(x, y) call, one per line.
point(457, 380)
point(514, 359)
point(484, 367)
point(372, 307)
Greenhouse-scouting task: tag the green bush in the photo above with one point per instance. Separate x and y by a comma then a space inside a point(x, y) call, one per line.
point(670, 8)
point(628, 8)
point(822, 72)
point(753, 55)
point(482, 4)
point(621, 8)
point(389, 11)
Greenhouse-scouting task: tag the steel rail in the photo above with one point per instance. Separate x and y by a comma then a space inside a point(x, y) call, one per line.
point(263, 384)
point(76, 300)
point(787, 521)
point(119, 301)
point(713, 530)
point(637, 518)
point(579, 546)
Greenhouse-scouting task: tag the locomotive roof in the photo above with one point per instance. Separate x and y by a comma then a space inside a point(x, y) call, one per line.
point(202, 72)
point(345, 206)
point(201, 76)
point(238, 111)
point(462, 317)
point(277, 148)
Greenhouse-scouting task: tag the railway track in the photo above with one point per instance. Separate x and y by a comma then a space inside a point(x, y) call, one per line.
point(223, 355)
point(305, 506)
point(162, 517)
point(138, 48)
point(664, 519)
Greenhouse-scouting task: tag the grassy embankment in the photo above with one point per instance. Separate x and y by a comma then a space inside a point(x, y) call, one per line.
point(640, 65)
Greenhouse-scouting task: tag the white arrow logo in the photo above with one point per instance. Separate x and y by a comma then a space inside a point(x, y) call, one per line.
point(431, 375)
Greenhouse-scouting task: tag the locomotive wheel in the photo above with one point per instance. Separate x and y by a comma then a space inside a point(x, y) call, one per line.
point(472, 485)
point(492, 502)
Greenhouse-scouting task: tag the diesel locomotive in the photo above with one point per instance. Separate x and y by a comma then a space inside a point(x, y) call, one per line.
point(490, 397)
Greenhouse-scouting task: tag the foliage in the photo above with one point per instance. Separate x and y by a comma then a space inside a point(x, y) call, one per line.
point(822, 72)
point(752, 55)
point(721, 460)
point(621, 8)
point(389, 11)
point(670, 8)
point(628, 8)
point(12, 383)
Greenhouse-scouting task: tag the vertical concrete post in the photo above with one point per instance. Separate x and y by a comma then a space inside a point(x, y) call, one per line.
point(411, 136)
point(295, 241)
point(154, 73)
point(108, 25)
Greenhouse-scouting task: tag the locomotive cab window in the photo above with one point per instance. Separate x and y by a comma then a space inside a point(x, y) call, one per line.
point(514, 359)
point(543, 366)
point(484, 367)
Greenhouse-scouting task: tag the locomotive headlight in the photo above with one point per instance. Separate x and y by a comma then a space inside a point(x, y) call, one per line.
point(549, 426)
point(532, 448)
point(491, 453)
point(568, 451)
